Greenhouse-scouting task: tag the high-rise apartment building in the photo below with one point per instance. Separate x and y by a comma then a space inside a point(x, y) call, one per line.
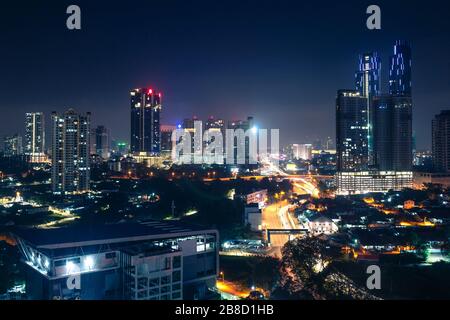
point(152, 260)
point(166, 139)
point(12, 145)
point(35, 136)
point(374, 142)
point(302, 151)
point(441, 141)
point(70, 152)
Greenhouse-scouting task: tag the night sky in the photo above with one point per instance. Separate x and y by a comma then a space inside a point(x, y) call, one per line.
point(279, 61)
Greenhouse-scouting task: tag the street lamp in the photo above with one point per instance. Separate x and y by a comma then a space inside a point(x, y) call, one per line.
point(222, 275)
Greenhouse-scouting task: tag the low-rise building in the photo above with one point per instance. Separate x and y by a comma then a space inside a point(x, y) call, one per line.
point(321, 224)
point(253, 217)
point(151, 260)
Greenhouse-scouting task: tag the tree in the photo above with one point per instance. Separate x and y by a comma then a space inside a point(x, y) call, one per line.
point(305, 262)
point(307, 270)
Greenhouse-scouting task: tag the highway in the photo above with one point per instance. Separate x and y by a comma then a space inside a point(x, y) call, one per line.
point(276, 216)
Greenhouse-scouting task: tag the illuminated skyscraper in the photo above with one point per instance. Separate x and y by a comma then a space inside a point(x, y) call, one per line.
point(368, 76)
point(393, 133)
point(351, 131)
point(70, 152)
point(34, 134)
point(368, 84)
point(145, 121)
point(400, 70)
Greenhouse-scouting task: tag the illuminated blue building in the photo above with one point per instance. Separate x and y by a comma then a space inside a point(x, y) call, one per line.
point(367, 82)
point(400, 70)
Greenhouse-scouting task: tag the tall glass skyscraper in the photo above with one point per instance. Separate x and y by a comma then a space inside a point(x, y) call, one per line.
point(351, 131)
point(392, 133)
point(368, 76)
point(400, 70)
point(70, 152)
point(145, 121)
point(367, 82)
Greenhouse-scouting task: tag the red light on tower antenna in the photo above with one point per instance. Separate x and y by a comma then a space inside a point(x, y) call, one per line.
point(160, 94)
point(150, 91)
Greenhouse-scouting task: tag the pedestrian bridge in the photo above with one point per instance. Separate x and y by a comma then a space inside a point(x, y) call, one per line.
point(269, 232)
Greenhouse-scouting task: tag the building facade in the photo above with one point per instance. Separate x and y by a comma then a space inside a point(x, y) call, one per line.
point(145, 121)
point(392, 128)
point(13, 145)
point(146, 261)
point(368, 84)
point(35, 136)
point(400, 70)
point(375, 141)
point(441, 142)
point(351, 131)
point(70, 152)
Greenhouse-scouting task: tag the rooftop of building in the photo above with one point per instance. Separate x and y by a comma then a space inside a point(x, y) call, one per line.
point(146, 249)
point(79, 235)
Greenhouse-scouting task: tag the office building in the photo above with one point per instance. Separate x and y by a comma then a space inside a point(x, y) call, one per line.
point(70, 152)
point(35, 136)
point(441, 142)
point(400, 70)
point(242, 144)
point(368, 76)
point(392, 129)
point(368, 84)
point(362, 182)
point(100, 142)
point(146, 261)
point(145, 121)
point(382, 157)
point(12, 145)
point(351, 131)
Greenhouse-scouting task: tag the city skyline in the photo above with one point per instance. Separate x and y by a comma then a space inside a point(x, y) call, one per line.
point(217, 79)
point(225, 152)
